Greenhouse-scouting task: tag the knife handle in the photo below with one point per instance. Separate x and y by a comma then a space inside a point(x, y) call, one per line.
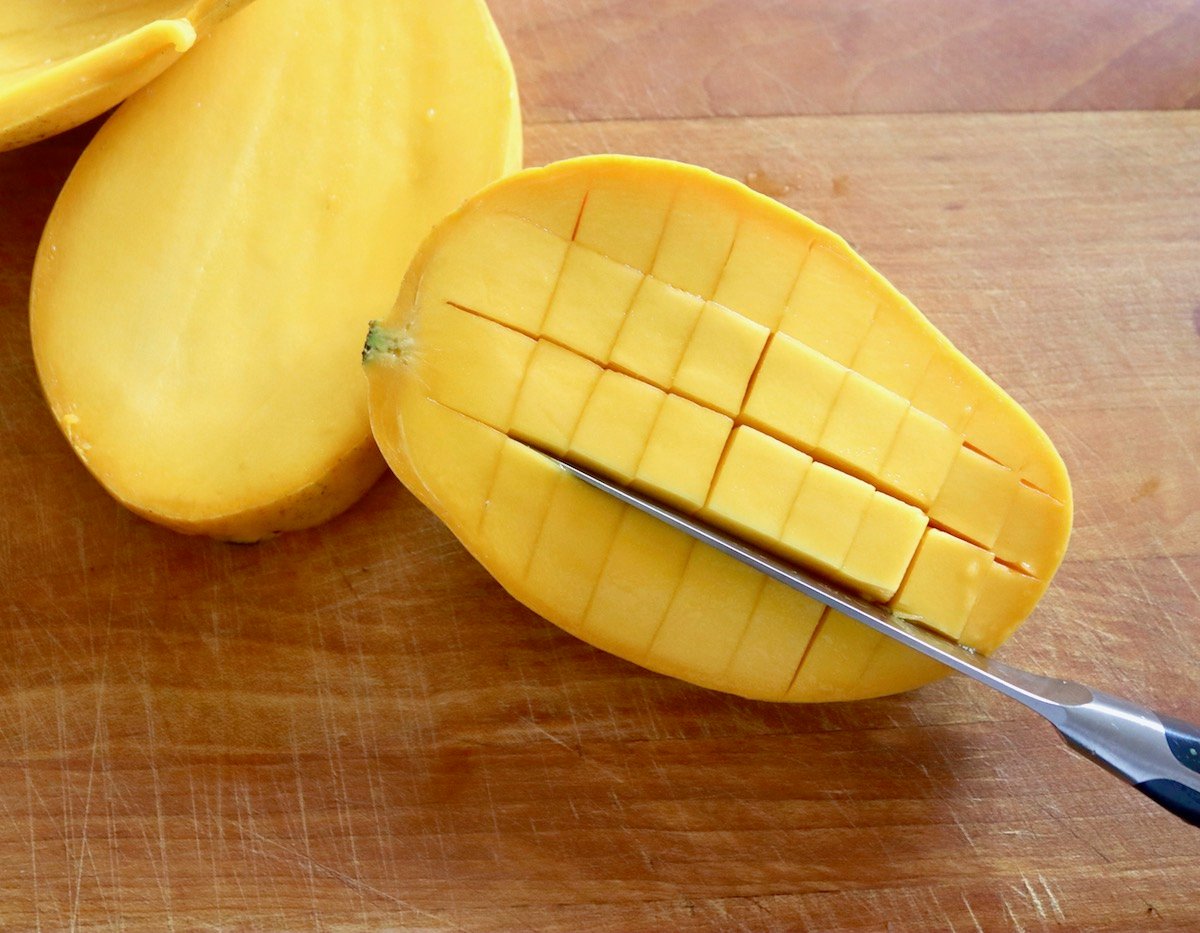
point(1159, 755)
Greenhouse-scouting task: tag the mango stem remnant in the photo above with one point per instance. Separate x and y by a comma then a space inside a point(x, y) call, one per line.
point(382, 341)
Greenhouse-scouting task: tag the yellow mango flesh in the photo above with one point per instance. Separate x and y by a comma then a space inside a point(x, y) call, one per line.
point(682, 334)
point(202, 284)
point(62, 63)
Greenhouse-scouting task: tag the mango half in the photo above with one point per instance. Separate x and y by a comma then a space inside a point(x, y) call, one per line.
point(678, 332)
point(201, 287)
point(63, 63)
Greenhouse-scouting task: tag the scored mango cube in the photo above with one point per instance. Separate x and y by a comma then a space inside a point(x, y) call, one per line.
point(681, 457)
point(476, 365)
point(712, 584)
point(623, 223)
point(836, 659)
point(590, 303)
point(557, 386)
point(976, 497)
point(862, 425)
point(698, 237)
point(460, 483)
point(566, 566)
point(762, 270)
point(756, 485)
point(832, 305)
point(825, 517)
point(894, 668)
point(896, 350)
point(920, 459)
point(637, 582)
point(944, 582)
point(765, 662)
point(1005, 599)
point(553, 205)
point(615, 425)
point(517, 265)
point(720, 358)
point(944, 392)
point(793, 392)
point(998, 428)
point(656, 331)
point(1034, 533)
point(516, 504)
point(883, 546)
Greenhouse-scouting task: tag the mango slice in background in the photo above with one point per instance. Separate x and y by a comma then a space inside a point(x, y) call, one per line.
point(62, 63)
point(204, 280)
point(683, 334)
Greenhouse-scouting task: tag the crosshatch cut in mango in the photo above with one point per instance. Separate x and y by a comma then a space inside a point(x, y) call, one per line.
point(687, 336)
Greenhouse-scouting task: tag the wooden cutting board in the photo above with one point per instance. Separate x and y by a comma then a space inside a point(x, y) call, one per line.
point(354, 728)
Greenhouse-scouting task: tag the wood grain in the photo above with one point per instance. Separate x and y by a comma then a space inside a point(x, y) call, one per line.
point(353, 728)
point(631, 59)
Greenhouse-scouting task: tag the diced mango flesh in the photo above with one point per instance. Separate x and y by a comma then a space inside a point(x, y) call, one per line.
point(517, 289)
point(614, 428)
point(475, 365)
point(944, 582)
point(804, 405)
point(756, 485)
point(825, 517)
point(836, 659)
point(556, 387)
point(591, 302)
point(637, 583)
point(710, 588)
point(761, 271)
point(895, 352)
point(883, 546)
point(656, 332)
point(862, 426)
point(565, 567)
point(832, 306)
point(920, 458)
point(696, 240)
point(720, 358)
point(793, 392)
point(518, 498)
point(681, 457)
point(773, 644)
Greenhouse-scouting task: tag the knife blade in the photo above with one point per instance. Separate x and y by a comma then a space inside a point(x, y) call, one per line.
point(1157, 754)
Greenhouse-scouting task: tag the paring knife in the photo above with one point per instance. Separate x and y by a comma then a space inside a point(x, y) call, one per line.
point(1157, 754)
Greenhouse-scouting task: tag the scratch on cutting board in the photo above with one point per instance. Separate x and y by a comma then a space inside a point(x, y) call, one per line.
point(1016, 924)
point(368, 740)
point(965, 830)
point(974, 919)
point(337, 763)
point(1183, 576)
point(33, 849)
point(199, 833)
point(1032, 897)
point(1126, 353)
point(1054, 905)
point(308, 861)
point(97, 731)
point(82, 853)
point(348, 880)
point(163, 879)
point(550, 735)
